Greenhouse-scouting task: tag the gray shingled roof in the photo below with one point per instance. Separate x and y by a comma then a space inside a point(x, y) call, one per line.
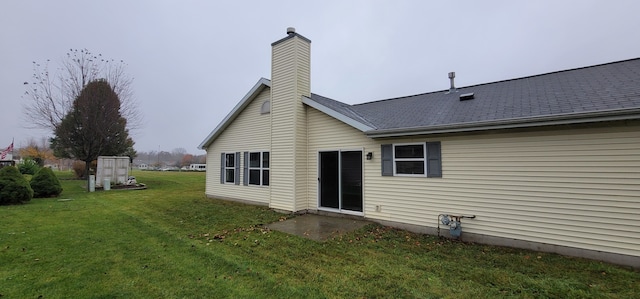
point(611, 88)
point(342, 108)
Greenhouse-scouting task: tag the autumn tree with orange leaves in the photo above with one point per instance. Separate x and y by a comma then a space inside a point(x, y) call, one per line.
point(186, 160)
point(39, 152)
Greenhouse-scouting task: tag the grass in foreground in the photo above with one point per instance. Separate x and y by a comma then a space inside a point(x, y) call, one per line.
point(171, 242)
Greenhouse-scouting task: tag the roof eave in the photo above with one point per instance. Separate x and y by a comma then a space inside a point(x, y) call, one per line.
point(255, 90)
point(513, 123)
point(337, 115)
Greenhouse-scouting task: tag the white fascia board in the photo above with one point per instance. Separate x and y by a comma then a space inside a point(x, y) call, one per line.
point(255, 90)
point(337, 115)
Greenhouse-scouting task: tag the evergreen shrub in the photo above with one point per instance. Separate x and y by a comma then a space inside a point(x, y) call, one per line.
point(14, 188)
point(45, 184)
point(28, 166)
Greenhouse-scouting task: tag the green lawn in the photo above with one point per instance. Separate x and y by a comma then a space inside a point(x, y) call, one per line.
point(169, 241)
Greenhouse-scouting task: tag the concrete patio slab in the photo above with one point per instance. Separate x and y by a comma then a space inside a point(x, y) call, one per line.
point(317, 227)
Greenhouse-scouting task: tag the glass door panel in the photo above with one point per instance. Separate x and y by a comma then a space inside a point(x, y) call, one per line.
point(351, 180)
point(329, 180)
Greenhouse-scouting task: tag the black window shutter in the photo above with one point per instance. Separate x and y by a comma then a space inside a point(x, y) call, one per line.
point(387, 160)
point(222, 168)
point(237, 167)
point(434, 160)
point(245, 176)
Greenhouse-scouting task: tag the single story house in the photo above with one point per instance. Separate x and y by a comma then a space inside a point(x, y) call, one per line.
point(548, 162)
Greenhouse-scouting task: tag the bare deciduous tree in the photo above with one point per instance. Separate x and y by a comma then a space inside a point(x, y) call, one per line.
point(179, 151)
point(51, 95)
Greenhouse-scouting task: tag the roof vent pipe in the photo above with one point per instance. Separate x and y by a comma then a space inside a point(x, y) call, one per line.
point(291, 30)
point(452, 75)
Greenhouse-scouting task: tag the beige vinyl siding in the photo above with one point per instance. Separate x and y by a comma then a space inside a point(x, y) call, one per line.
point(282, 128)
point(575, 187)
point(248, 132)
point(290, 80)
point(303, 88)
point(328, 134)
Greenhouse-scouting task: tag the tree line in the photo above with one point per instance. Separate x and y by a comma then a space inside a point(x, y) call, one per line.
point(41, 153)
point(176, 158)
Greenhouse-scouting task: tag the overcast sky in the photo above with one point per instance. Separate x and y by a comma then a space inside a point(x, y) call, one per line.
point(192, 61)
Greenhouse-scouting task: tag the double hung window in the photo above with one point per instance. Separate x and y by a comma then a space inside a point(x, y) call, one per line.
point(409, 159)
point(259, 168)
point(254, 172)
point(412, 159)
point(229, 167)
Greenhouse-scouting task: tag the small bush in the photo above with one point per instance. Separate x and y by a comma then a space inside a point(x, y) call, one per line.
point(45, 184)
point(78, 168)
point(29, 166)
point(14, 188)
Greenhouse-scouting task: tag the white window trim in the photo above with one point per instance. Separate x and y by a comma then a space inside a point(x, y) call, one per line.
point(423, 159)
point(260, 168)
point(232, 168)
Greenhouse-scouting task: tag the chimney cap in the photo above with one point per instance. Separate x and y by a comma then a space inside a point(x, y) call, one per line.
point(291, 33)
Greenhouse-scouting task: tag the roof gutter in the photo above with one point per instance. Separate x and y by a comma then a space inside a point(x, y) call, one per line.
point(512, 123)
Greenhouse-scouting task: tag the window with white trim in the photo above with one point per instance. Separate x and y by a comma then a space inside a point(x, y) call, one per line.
point(230, 167)
point(409, 159)
point(259, 168)
point(412, 159)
